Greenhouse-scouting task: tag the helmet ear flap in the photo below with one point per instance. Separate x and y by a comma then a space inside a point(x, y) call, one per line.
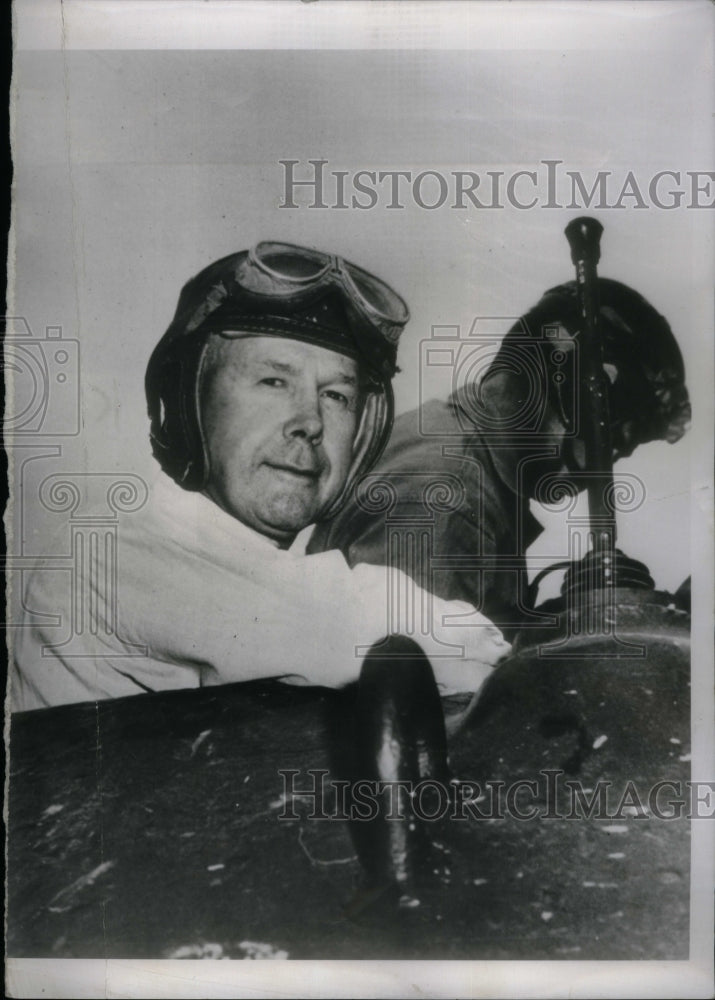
point(370, 440)
point(172, 390)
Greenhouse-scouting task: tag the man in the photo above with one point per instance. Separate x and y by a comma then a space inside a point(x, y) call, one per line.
point(511, 437)
point(269, 395)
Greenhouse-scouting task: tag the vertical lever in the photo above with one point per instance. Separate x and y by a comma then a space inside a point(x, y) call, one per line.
point(584, 236)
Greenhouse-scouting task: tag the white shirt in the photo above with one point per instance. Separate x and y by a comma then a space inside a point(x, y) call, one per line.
point(202, 599)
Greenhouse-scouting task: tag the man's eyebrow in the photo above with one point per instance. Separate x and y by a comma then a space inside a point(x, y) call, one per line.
point(343, 377)
point(285, 367)
point(276, 366)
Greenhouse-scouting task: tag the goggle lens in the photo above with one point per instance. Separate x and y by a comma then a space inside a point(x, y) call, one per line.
point(283, 269)
point(378, 296)
point(285, 262)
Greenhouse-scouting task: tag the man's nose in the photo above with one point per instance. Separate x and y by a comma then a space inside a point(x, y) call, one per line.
point(306, 420)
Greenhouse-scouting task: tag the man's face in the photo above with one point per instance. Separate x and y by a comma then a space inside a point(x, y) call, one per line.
point(624, 427)
point(625, 431)
point(279, 418)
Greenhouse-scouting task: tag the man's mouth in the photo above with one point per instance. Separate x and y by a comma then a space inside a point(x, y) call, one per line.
point(308, 473)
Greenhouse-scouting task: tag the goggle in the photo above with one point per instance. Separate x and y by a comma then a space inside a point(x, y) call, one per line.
point(287, 271)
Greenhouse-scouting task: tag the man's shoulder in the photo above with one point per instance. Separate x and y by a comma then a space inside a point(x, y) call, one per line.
point(425, 434)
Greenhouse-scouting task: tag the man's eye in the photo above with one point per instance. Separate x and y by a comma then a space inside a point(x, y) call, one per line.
point(274, 383)
point(339, 397)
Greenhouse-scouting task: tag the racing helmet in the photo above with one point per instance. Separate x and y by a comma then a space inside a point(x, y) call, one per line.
point(274, 290)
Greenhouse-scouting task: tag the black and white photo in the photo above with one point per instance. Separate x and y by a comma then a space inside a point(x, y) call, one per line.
point(358, 369)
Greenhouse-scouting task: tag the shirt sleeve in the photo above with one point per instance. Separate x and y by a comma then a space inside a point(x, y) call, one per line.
point(309, 619)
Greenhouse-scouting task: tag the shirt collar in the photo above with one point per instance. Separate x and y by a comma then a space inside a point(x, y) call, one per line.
point(300, 542)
